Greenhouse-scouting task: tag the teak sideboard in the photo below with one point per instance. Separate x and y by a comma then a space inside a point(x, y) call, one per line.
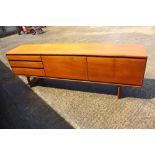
point(116, 64)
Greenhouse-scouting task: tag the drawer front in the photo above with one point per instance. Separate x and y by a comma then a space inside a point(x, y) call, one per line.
point(24, 57)
point(28, 71)
point(69, 67)
point(27, 64)
point(130, 70)
point(101, 69)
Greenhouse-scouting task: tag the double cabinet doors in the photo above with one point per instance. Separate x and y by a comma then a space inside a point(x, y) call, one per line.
point(116, 70)
point(100, 69)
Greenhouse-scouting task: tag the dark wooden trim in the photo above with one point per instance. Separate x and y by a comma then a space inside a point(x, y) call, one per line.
point(114, 84)
point(118, 92)
point(32, 82)
point(137, 57)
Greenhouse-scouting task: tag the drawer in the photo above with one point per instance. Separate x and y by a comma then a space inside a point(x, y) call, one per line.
point(101, 69)
point(27, 64)
point(24, 57)
point(130, 70)
point(68, 67)
point(28, 71)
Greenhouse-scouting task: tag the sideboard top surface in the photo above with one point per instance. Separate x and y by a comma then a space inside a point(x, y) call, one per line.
point(88, 49)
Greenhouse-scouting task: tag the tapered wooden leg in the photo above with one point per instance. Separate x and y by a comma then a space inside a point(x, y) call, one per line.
point(118, 92)
point(29, 81)
point(33, 81)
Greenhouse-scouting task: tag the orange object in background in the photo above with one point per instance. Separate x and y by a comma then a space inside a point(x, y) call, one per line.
point(24, 28)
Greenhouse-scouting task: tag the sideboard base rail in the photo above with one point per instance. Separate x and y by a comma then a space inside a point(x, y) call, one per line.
point(33, 82)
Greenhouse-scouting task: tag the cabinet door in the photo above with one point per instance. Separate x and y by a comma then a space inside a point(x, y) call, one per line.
point(101, 69)
point(68, 67)
point(130, 70)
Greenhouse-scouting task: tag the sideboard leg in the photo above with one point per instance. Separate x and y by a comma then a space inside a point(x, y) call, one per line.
point(118, 92)
point(29, 81)
point(33, 81)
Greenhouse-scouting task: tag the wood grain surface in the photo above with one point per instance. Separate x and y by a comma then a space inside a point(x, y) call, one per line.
point(27, 64)
point(130, 71)
point(90, 49)
point(70, 67)
point(24, 57)
point(101, 69)
point(116, 70)
point(28, 71)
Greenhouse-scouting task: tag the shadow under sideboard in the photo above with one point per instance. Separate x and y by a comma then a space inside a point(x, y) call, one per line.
point(147, 91)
